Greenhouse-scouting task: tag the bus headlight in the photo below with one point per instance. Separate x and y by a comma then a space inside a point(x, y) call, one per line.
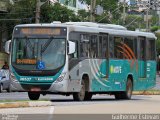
point(60, 78)
point(12, 76)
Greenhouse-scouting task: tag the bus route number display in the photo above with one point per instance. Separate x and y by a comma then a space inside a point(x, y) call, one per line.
point(41, 31)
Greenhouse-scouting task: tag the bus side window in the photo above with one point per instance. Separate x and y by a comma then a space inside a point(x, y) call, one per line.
point(118, 47)
point(135, 47)
point(142, 48)
point(94, 46)
point(84, 46)
point(111, 47)
point(105, 47)
point(100, 51)
point(151, 52)
point(129, 48)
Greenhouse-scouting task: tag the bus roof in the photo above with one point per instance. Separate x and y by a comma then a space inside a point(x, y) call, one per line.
point(94, 28)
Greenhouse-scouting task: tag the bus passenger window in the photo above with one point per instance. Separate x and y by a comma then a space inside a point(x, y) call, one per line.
point(100, 46)
point(94, 48)
point(151, 50)
point(105, 47)
point(111, 47)
point(84, 50)
point(129, 52)
point(142, 49)
point(118, 47)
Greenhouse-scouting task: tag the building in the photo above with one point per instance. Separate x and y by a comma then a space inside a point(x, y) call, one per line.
point(142, 4)
point(74, 5)
point(3, 6)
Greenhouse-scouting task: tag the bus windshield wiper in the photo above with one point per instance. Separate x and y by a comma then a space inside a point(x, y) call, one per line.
point(46, 45)
point(28, 43)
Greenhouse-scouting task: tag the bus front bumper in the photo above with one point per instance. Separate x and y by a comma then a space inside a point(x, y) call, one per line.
point(16, 86)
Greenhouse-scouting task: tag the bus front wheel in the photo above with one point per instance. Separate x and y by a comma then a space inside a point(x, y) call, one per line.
point(1, 88)
point(80, 96)
point(33, 95)
point(126, 94)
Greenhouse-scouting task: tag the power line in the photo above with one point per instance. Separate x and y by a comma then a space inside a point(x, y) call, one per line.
point(10, 19)
point(112, 12)
point(148, 7)
point(13, 13)
point(133, 20)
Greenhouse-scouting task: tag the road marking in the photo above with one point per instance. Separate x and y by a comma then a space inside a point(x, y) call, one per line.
point(51, 111)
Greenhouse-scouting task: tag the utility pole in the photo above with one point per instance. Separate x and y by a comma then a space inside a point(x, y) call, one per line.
point(92, 11)
point(147, 22)
point(38, 10)
point(159, 18)
point(124, 12)
point(158, 12)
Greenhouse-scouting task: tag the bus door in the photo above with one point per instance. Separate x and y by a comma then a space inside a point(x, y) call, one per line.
point(104, 55)
point(142, 57)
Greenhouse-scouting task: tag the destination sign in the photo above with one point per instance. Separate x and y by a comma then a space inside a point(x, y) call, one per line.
point(27, 31)
point(41, 31)
point(26, 61)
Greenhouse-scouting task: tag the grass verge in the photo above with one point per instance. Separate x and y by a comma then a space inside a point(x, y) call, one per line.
point(147, 92)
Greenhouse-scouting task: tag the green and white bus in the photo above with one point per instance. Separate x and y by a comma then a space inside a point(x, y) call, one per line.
point(81, 59)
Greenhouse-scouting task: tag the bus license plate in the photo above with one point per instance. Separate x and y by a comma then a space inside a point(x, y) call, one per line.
point(35, 89)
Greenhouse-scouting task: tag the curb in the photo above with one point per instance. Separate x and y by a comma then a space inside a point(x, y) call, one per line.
point(146, 93)
point(25, 104)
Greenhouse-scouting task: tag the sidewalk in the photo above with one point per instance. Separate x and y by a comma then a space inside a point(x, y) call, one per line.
point(25, 104)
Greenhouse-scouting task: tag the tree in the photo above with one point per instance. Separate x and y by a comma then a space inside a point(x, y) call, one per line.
point(158, 42)
point(109, 6)
point(57, 12)
point(154, 28)
point(83, 15)
point(23, 12)
point(134, 21)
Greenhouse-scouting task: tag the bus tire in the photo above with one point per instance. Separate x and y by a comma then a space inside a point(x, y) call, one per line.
point(1, 88)
point(126, 94)
point(129, 88)
point(8, 90)
point(79, 96)
point(33, 95)
point(88, 96)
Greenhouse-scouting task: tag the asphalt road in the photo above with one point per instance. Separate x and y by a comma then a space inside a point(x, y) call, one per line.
point(99, 105)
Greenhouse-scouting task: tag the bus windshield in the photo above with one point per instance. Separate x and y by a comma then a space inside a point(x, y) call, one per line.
point(38, 54)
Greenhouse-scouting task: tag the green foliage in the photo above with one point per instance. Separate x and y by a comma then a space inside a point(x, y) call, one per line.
point(57, 12)
point(158, 42)
point(23, 12)
point(83, 15)
point(108, 6)
point(158, 46)
point(137, 22)
point(154, 28)
point(18, 13)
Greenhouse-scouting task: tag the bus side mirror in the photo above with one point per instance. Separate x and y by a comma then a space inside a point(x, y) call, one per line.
point(7, 46)
point(71, 47)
